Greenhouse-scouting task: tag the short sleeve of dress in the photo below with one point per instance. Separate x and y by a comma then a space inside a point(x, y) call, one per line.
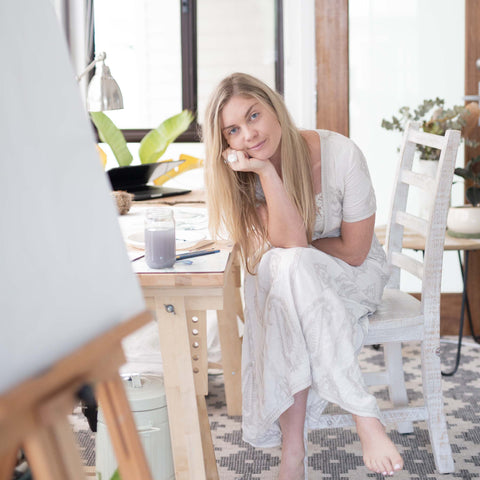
point(359, 200)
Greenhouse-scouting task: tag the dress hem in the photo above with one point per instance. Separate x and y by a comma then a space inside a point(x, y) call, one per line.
point(273, 417)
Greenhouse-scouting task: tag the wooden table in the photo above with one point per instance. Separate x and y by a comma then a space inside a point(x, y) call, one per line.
point(416, 242)
point(180, 297)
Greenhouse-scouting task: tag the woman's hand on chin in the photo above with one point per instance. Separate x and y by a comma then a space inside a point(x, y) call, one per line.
point(239, 161)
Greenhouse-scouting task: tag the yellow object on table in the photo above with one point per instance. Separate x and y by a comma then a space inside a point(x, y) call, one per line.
point(102, 155)
point(189, 164)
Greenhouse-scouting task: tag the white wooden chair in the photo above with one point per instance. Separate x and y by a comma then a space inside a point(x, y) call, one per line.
point(401, 317)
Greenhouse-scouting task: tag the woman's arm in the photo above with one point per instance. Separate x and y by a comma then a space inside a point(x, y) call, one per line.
point(285, 226)
point(353, 244)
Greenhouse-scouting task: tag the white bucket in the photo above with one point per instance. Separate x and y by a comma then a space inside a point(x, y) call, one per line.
point(146, 395)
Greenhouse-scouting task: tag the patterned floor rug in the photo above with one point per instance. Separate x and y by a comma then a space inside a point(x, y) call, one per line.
point(336, 453)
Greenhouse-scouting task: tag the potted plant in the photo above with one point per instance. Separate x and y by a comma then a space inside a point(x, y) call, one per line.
point(435, 118)
point(464, 221)
point(152, 146)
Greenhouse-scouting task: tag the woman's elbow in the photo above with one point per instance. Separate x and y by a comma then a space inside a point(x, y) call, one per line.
point(357, 259)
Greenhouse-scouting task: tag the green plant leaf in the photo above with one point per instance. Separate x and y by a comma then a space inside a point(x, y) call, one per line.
point(463, 172)
point(473, 195)
point(113, 136)
point(116, 475)
point(155, 142)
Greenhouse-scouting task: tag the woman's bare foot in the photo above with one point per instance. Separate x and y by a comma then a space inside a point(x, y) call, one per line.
point(379, 453)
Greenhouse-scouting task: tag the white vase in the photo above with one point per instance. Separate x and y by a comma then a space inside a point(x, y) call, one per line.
point(464, 221)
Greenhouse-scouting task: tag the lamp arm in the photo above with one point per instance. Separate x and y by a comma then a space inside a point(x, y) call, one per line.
point(98, 58)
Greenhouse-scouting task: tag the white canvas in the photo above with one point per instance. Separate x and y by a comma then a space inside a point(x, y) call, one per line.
point(65, 276)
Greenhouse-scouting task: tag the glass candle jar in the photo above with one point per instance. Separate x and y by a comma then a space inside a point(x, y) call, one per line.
point(160, 248)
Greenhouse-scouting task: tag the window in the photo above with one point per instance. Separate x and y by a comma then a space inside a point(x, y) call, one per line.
point(168, 55)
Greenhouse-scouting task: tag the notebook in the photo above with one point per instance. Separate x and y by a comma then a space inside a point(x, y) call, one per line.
point(135, 179)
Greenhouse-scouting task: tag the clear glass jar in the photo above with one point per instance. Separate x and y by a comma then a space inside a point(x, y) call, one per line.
point(160, 248)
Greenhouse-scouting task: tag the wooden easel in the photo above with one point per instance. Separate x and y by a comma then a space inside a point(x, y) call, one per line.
point(33, 415)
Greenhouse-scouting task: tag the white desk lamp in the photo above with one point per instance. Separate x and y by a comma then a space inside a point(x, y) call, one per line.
point(103, 92)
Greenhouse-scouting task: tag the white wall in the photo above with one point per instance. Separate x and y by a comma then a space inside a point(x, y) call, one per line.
point(400, 54)
point(300, 60)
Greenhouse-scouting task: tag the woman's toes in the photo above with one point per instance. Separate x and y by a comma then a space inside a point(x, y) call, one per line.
point(388, 467)
point(370, 464)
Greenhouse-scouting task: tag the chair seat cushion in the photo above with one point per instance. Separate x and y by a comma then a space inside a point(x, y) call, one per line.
point(399, 318)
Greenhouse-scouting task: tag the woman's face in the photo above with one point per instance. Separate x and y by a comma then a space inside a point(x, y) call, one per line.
point(249, 125)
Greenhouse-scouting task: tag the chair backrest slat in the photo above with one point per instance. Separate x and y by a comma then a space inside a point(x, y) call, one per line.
point(412, 222)
point(418, 180)
point(426, 139)
point(408, 264)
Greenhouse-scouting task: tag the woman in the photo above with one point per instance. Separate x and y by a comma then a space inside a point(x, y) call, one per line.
point(301, 206)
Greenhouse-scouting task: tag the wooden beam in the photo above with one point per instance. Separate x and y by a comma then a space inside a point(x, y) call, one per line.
point(472, 77)
point(331, 40)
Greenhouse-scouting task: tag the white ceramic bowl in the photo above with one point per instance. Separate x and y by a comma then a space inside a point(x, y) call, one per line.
point(464, 221)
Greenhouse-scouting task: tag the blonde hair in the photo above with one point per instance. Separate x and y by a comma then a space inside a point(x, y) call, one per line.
point(231, 198)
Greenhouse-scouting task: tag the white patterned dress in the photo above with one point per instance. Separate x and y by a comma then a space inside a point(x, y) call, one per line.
point(306, 312)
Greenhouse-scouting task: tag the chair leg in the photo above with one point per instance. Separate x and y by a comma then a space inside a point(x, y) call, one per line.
point(396, 388)
point(436, 422)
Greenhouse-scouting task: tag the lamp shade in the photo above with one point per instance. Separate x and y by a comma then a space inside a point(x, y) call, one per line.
point(103, 91)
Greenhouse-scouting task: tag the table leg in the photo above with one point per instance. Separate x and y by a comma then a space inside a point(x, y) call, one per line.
point(476, 338)
point(207, 442)
point(464, 270)
point(231, 346)
point(197, 330)
point(184, 416)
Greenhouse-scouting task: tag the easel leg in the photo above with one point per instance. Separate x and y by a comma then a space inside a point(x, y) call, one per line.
point(52, 453)
point(7, 463)
point(183, 414)
point(38, 411)
point(128, 449)
point(51, 449)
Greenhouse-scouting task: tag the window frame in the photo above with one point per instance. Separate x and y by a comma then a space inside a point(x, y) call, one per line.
point(188, 28)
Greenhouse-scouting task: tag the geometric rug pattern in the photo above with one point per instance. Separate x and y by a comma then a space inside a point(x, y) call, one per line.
point(336, 453)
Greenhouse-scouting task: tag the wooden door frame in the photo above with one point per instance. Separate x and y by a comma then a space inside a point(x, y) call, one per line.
point(331, 42)
point(472, 77)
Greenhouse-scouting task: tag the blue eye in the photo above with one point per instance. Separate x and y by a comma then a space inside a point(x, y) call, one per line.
point(253, 116)
point(232, 131)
